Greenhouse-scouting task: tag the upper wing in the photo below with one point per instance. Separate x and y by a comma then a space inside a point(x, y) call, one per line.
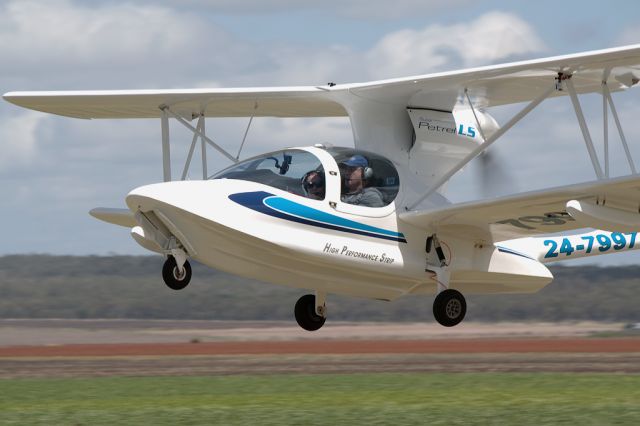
point(533, 213)
point(189, 103)
point(487, 86)
point(509, 83)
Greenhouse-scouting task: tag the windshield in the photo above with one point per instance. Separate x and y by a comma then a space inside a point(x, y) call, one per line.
point(367, 179)
point(295, 171)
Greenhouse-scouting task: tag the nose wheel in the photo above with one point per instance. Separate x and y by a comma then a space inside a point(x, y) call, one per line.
point(449, 307)
point(306, 312)
point(175, 276)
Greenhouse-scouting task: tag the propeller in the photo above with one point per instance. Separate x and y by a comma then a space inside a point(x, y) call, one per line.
point(493, 177)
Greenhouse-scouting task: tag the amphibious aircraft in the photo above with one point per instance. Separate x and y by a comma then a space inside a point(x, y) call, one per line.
point(373, 221)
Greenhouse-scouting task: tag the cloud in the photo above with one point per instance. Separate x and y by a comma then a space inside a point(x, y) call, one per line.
point(493, 36)
point(120, 45)
point(44, 30)
point(385, 10)
point(357, 9)
point(67, 43)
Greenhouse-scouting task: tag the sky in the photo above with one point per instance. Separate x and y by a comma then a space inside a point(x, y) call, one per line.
point(53, 170)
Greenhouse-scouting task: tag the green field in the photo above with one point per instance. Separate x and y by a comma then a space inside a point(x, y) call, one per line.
point(371, 399)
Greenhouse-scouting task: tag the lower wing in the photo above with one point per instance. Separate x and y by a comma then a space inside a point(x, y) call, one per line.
point(611, 205)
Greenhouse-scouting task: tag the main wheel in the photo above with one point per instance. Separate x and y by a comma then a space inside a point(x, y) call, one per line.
point(449, 307)
point(172, 276)
point(305, 312)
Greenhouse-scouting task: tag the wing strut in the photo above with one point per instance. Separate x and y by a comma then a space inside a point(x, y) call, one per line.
point(607, 94)
point(198, 133)
point(483, 147)
point(583, 124)
point(166, 147)
point(246, 132)
point(606, 99)
point(192, 148)
point(475, 116)
point(203, 147)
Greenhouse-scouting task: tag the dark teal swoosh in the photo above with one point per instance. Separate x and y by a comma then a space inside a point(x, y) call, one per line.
point(282, 208)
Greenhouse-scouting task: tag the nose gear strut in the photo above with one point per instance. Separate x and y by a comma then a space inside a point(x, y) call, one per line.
point(449, 306)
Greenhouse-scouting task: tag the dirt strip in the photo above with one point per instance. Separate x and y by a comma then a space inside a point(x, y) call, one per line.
point(11, 368)
point(466, 346)
point(66, 332)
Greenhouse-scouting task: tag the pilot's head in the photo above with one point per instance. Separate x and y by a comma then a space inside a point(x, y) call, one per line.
point(313, 184)
point(354, 170)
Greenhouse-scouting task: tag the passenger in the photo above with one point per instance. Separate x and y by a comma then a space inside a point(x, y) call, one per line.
point(355, 173)
point(313, 185)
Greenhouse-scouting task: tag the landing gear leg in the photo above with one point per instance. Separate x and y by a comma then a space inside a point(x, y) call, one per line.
point(449, 306)
point(176, 271)
point(310, 311)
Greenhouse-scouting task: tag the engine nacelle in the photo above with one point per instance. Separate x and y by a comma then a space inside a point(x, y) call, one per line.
point(442, 138)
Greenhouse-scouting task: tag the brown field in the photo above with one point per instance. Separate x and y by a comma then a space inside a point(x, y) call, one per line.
point(62, 348)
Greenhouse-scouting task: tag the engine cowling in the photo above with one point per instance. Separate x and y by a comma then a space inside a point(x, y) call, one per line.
point(442, 138)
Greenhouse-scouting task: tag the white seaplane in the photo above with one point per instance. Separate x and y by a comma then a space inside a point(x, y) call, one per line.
point(373, 221)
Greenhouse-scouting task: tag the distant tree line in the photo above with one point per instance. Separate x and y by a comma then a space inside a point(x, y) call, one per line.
point(42, 286)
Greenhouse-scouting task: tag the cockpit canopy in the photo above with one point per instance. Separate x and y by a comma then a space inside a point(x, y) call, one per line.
point(282, 169)
point(367, 179)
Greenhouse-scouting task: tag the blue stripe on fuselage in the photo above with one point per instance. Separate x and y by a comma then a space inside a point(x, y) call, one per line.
point(506, 250)
point(282, 208)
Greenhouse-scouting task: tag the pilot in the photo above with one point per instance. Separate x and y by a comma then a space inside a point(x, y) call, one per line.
point(355, 172)
point(313, 185)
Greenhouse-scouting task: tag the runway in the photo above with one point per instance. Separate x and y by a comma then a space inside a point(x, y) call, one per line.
point(349, 348)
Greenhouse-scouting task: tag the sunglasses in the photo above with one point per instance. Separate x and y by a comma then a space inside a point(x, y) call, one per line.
point(314, 184)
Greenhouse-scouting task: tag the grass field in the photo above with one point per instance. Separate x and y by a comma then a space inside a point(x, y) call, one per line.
point(372, 399)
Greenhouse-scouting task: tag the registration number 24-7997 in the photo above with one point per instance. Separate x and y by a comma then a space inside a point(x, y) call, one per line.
point(603, 243)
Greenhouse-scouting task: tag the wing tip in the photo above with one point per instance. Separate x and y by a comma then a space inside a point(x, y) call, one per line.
point(11, 96)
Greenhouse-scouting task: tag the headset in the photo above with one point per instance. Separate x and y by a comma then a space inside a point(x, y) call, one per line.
point(367, 172)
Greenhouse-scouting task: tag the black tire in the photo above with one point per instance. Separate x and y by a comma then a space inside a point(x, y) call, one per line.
point(172, 278)
point(305, 312)
point(449, 308)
